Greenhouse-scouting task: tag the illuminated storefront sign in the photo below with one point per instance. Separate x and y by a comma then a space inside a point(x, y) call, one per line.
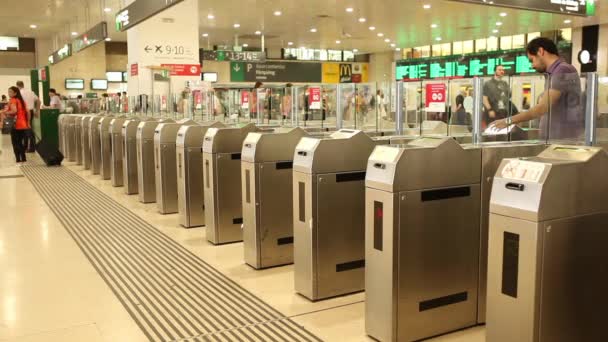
point(573, 7)
point(94, 35)
point(61, 54)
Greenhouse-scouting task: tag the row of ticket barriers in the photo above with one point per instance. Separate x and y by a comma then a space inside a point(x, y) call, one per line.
point(441, 234)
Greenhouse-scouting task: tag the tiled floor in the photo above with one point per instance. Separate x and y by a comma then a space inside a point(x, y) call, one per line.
point(50, 292)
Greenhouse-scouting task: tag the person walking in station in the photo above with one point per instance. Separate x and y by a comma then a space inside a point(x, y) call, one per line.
point(17, 108)
point(32, 104)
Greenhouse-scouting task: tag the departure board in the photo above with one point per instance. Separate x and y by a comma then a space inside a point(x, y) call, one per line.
point(572, 7)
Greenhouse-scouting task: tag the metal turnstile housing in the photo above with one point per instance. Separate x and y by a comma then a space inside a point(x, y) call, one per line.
point(422, 239)
point(129, 155)
point(328, 213)
point(95, 143)
point(165, 165)
point(222, 167)
point(86, 142)
point(267, 178)
point(105, 168)
point(190, 173)
point(547, 260)
point(116, 153)
point(78, 138)
point(145, 160)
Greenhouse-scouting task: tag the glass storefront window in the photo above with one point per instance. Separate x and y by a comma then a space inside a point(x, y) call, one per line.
point(349, 56)
point(480, 45)
point(533, 35)
point(422, 52)
point(468, 46)
point(436, 50)
point(506, 43)
point(519, 41)
point(446, 49)
point(334, 55)
point(492, 44)
point(457, 48)
point(566, 34)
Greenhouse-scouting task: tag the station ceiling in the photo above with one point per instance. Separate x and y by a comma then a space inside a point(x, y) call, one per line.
point(405, 23)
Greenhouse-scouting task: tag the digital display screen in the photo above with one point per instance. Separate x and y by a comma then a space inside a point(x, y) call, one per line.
point(74, 84)
point(9, 43)
point(114, 76)
point(99, 84)
point(209, 76)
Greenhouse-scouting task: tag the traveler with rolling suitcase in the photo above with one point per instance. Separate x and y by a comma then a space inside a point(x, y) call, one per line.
point(17, 109)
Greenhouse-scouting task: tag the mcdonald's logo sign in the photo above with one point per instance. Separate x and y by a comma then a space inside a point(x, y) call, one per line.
point(346, 73)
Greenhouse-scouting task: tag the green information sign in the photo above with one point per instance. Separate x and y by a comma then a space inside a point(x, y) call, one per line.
point(237, 71)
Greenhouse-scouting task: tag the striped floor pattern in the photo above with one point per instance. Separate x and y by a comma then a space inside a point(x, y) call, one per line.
point(171, 294)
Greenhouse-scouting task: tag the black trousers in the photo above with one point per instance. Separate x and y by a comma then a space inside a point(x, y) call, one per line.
point(18, 137)
point(30, 139)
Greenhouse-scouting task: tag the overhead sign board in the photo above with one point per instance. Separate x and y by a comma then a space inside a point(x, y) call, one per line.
point(572, 7)
point(139, 11)
point(96, 34)
point(245, 56)
point(275, 72)
point(61, 54)
point(515, 62)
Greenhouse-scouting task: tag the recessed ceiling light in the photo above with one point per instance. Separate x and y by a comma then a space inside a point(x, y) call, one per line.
point(205, 34)
point(426, 6)
point(349, 9)
point(498, 23)
point(33, 26)
point(355, 50)
point(338, 42)
point(245, 45)
point(387, 40)
point(210, 16)
point(362, 20)
point(258, 33)
point(107, 9)
point(108, 39)
point(290, 43)
point(567, 21)
point(371, 28)
point(393, 45)
point(380, 34)
point(237, 25)
point(494, 31)
point(503, 14)
point(74, 33)
point(277, 13)
point(438, 39)
point(433, 25)
point(313, 30)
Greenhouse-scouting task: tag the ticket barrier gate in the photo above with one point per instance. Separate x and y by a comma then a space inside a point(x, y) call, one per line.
point(86, 142)
point(328, 213)
point(190, 173)
point(68, 136)
point(95, 143)
point(61, 133)
point(78, 138)
point(165, 165)
point(267, 170)
point(129, 155)
point(105, 169)
point(116, 152)
point(222, 192)
point(145, 160)
point(547, 276)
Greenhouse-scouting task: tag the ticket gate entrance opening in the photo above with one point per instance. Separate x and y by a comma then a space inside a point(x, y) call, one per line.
point(95, 143)
point(165, 165)
point(105, 137)
point(190, 173)
point(547, 262)
point(222, 167)
point(116, 153)
point(86, 142)
point(145, 160)
point(267, 170)
point(328, 213)
point(129, 157)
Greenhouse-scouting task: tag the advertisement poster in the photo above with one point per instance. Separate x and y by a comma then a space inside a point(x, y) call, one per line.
point(184, 69)
point(134, 69)
point(314, 98)
point(244, 100)
point(435, 97)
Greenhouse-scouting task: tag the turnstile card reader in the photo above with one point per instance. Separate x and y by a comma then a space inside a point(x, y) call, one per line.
point(267, 178)
point(548, 261)
point(328, 213)
point(190, 173)
point(145, 160)
point(222, 167)
point(116, 153)
point(95, 143)
point(422, 207)
point(129, 157)
point(165, 165)
point(86, 142)
point(105, 137)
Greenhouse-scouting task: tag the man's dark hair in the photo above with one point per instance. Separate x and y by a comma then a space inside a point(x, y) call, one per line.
point(542, 42)
point(459, 100)
point(20, 84)
point(52, 90)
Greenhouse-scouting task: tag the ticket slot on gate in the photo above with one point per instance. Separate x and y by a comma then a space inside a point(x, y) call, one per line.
point(267, 170)
point(145, 160)
point(129, 155)
point(329, 199)
point(165, 161)
point(190, 179)
point(95, 143)
point(86, 142)
point(105, 137)
point(222, 194)
point(422, 206)
point(547, 260)
point(116, 155)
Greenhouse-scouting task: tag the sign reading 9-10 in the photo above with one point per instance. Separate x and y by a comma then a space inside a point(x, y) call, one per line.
point(463, 66)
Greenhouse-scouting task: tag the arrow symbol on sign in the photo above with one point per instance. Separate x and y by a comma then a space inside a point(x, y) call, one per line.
point(237, 68)
point(147, 49)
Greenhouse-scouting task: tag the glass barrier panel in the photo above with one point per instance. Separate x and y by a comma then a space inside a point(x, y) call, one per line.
point(526, 92)
point(300, 106)
point(460, 109)
point(329, 100)
point(565, 99)
point(602, 115)
point(347, 95)
point(385, 103)
point(366, 117)
point(412, 107)
point(434, 97)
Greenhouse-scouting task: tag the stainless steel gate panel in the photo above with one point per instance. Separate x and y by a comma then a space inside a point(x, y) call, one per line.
point(95, 142)
point(106, 147)
point(145, 160)
point(304, 256)
point(78, 138)
point(129, 151)
point(116, 155)
point(86, 142)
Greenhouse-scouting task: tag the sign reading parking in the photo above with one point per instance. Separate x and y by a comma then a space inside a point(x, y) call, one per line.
point(275, 72)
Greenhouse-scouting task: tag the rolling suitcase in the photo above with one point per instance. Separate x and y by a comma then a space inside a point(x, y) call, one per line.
point(49, 154)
